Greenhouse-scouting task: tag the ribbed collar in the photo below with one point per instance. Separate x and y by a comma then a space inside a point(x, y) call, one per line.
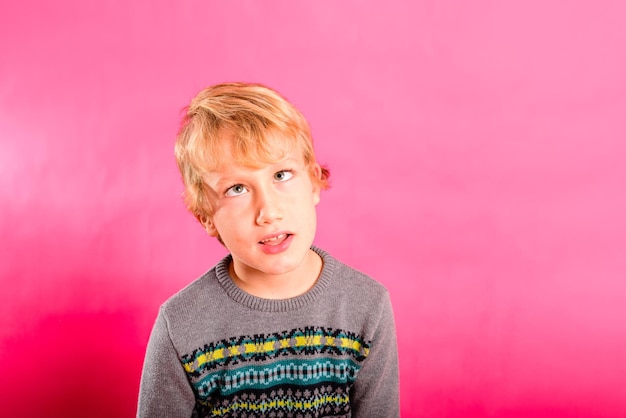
point(276, 305)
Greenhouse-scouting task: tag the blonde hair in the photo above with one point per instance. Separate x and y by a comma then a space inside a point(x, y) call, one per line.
point(258, 121)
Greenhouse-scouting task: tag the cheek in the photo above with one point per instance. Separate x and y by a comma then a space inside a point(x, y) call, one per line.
point(232, 218)
point(233, 208)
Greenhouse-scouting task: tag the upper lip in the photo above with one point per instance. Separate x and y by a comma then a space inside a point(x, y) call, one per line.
point(274, 236)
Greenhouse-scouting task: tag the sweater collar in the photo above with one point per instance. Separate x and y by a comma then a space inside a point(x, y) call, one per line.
point(277, 305)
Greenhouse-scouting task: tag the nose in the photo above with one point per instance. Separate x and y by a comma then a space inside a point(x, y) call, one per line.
point(269, 209)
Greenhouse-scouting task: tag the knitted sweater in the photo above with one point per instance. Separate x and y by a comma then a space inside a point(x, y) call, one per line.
point(217, 351)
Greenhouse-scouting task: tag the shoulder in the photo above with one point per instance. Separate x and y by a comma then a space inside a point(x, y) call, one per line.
point(343, 270)
point(201, 295)
point(358, 280)
point(354, 300)
point(352, 283)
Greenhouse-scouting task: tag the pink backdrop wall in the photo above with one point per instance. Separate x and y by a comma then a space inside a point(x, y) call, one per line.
point(477, 151)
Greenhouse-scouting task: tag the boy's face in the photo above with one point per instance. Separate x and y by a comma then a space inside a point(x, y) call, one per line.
point(265, 216)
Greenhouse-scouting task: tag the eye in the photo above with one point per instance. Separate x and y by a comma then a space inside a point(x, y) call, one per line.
point(283, 175)
point(236, 190)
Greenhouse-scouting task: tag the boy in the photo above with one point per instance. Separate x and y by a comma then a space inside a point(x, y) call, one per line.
point(278, 328)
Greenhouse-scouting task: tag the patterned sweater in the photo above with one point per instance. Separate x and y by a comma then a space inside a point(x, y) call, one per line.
point(217, 351)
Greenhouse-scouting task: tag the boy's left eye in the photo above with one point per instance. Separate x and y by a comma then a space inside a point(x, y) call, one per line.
point(283, 175)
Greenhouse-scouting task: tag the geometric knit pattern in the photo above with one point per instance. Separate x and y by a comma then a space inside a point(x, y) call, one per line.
point(217, 351)
point(303, 372)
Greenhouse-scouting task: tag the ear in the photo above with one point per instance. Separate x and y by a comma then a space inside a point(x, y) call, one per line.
point(317, 190)
point(210, 228)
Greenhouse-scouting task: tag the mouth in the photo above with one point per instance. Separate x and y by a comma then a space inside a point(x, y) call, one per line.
point(275, 239)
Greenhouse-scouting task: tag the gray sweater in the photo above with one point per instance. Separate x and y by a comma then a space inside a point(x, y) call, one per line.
point(217, 351)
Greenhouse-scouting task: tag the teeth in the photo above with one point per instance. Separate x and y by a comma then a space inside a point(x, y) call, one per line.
point(274, 239)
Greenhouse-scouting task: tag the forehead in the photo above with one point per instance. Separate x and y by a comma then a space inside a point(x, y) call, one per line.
point(255, 151)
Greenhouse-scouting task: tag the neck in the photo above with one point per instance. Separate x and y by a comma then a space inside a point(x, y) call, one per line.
point(278, 286)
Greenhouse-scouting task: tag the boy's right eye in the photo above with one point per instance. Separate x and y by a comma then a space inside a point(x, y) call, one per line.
point(236, 190)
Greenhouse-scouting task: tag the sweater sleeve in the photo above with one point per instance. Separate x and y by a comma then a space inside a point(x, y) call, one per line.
point(165, 390)
point(376, 390)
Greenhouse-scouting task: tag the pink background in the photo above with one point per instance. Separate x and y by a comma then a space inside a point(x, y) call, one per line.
point(477, 153)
